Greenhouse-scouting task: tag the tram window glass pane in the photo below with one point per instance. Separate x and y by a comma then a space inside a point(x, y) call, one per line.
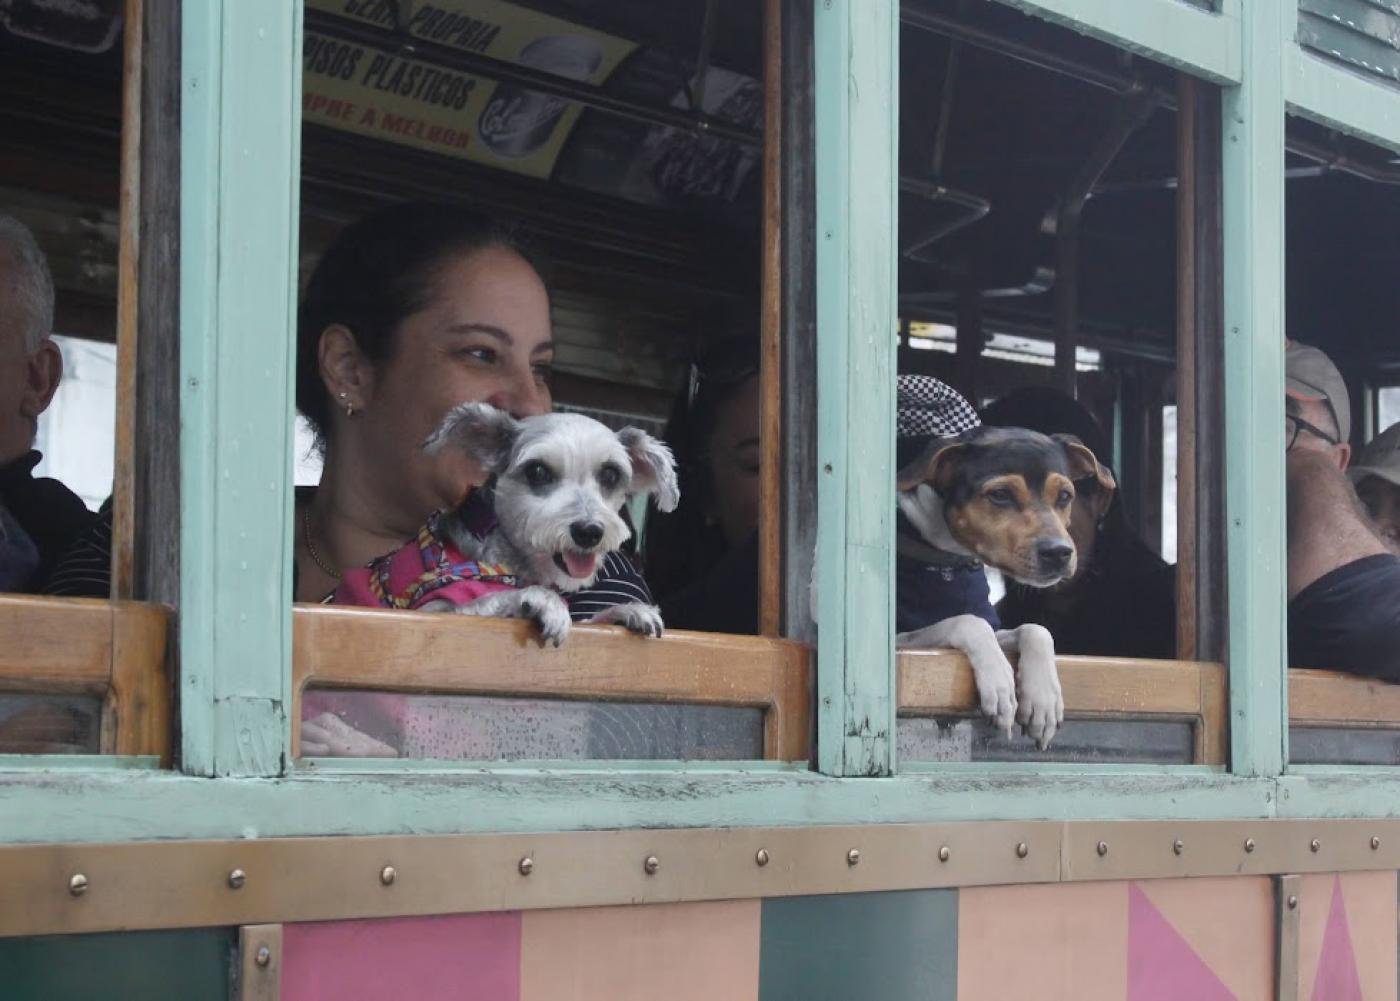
point(476, 728)
point(61, 215)
point(1169, 484)
point(572, 127)
point(49, 724)
point(1038, 281)
point(1387, 406)
point(1343, 212)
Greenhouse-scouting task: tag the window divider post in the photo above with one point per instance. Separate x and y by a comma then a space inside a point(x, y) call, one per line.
point(239, 172)
point(857, 182)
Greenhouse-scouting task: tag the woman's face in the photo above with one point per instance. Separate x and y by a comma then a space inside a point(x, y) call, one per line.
point(484, 336)
point(734, 461)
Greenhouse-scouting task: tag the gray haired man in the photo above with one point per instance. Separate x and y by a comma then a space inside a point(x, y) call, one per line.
point(39, 518)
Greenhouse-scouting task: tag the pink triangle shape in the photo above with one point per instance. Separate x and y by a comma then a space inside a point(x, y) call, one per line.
point(1162, 966)
point(1337, 979)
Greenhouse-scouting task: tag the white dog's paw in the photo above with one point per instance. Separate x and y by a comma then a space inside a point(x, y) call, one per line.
point(1042, 704)
point(547, 611)
point(639, 618)
point(996, 690)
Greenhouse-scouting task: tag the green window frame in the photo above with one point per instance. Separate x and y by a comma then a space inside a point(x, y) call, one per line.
point(240, 155)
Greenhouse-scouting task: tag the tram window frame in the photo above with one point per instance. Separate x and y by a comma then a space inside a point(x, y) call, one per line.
point(1338, 719)
point(1126, 692)
point(765, 670)
point(115, 650)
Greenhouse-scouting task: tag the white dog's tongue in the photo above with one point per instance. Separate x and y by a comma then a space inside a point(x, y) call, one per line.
point(580, 564)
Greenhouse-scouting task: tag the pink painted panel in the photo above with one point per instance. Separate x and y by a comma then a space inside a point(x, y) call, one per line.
point(1346, 942)
point(1228, 922)
point(680, 952)
point(1066, 942)
point(1162, 966)
point(451, 958)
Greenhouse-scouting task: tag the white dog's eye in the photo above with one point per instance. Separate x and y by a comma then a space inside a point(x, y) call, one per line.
point(537, 474)
point(609, 476)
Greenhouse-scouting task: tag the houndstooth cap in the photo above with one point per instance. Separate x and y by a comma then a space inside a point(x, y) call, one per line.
point(928, 407)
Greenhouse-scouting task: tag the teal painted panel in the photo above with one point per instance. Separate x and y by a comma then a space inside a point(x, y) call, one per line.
point(122, 966)
point(895, 946)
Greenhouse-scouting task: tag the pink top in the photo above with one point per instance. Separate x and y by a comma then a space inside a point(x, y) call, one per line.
point(425, 569)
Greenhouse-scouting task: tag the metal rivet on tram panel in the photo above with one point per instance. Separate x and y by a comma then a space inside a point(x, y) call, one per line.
point(1178, 846)
point(1102, 848)
point(77, 884)
point(651, 865)
point(236, 879)
point(387, 875)
point(945, 853)
point(526, 866)
point(1293, 902)
point(853, 857)
point(761, 857)
point(1249, 844)
point(1375, 843)
point(1315, 845)
point(1022, 850)
point(263, 956)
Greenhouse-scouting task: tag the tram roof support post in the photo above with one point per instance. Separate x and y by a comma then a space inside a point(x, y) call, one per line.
point(1253, 212)
point(857, 145)
point(240, 150)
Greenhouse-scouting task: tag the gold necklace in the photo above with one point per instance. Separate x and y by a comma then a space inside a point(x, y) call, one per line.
point(311, 546)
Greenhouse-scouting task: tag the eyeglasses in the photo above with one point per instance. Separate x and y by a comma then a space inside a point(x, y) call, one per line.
point(1292, 426)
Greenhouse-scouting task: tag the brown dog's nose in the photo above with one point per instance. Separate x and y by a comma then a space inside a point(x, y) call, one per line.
point(1054, 555)
point(586, 534)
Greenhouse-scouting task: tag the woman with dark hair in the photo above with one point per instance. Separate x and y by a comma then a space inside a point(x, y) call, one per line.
point(1121, 601)
point(411, 311)
point(702, 558)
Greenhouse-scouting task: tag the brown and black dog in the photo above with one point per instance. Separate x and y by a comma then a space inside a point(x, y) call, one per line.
point(1002, 496)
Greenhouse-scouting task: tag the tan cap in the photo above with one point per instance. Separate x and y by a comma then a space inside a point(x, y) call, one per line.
point(1310, 375)
point(1380, 457)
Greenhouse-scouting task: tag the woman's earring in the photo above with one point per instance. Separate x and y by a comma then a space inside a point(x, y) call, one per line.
point(349, 407)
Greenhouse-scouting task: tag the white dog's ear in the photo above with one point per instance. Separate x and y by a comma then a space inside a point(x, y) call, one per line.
point(653, 467)
point(479, 429)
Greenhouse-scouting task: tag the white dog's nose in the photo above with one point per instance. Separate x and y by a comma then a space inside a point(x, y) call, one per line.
point(586, 534)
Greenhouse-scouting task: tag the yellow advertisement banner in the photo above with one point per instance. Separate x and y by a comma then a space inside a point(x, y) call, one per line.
point(382, 94)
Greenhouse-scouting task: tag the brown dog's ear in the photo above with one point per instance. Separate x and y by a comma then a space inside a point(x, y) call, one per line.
point(1083, 463)
point(934, 466)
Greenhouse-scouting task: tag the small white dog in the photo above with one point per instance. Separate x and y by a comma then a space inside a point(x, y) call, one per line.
point(558, 484)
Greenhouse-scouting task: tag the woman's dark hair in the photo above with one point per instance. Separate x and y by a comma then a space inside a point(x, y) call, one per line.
point(679, 547)
point(376, 273)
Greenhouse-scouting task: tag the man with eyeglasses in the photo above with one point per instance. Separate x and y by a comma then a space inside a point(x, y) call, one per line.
point(1343, 581)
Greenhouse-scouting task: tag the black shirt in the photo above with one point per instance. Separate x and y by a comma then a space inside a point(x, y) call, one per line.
point(85, 571)
point(1349, 620)
point(927, 592)
point(50, 514)
point(723, 599)
point(1123, 606)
